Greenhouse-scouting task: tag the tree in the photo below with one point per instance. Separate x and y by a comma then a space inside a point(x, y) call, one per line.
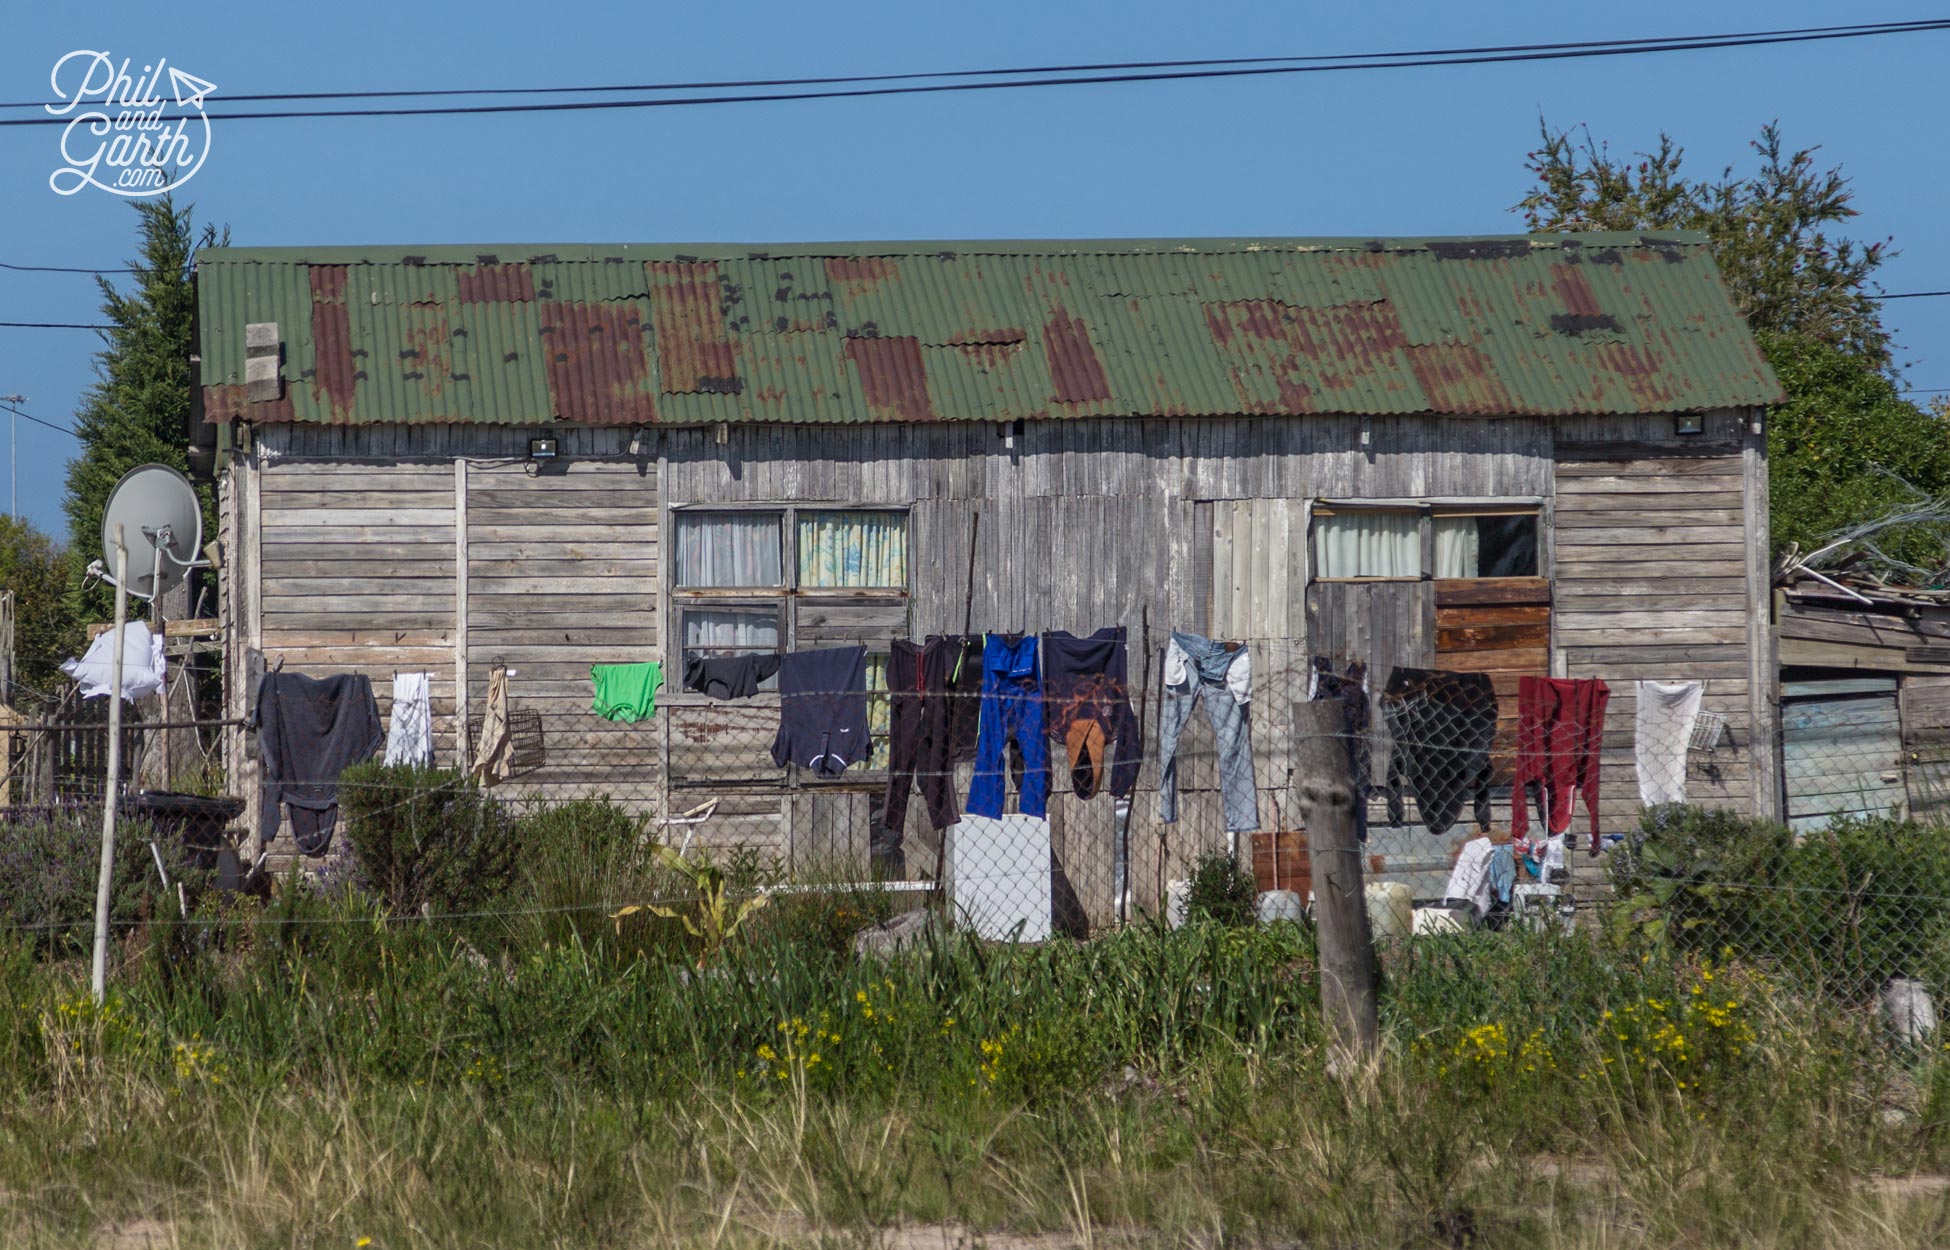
point(1771, 230)
point(33, 568)
point(1846, 447)
point(138, 409)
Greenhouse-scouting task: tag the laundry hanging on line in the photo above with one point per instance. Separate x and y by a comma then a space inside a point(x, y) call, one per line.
point(627, 692)
point(933, 717)
point(1011, 725)
point(1442, 725)
point(1662, 732)
point(823, 710)
point(729, 676)
point(1087, 707)
point(1560, 734)
point(1219, 675)
point(144, 667)
point(309, 731)
point(409, 735)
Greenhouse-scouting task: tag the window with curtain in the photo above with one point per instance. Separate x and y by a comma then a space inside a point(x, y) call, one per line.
point(1486, 546)
point(852, 549)
point(1367, 544)
point(728, 550)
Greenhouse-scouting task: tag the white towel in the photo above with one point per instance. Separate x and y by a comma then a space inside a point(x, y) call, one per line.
point(1663, 731)
point(143, 666)
point(409, 739)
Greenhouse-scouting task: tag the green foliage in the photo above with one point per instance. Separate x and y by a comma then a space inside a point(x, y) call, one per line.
point(45, 632)
point(427, 840)
point(714, 919)
point(1771, 230)
point(1847, 448)
point(137, 411)
point(50, 867)
point(1222, 891)
point(1844, 909)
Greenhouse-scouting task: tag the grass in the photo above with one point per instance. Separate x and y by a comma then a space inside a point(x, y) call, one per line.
point(323, 1075)
point(316, 1070)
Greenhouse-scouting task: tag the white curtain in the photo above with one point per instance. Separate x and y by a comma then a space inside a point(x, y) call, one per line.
point(728, 549)
point(849, 549)
point(1367, 544)
point(1458, 547)
point(730, 629)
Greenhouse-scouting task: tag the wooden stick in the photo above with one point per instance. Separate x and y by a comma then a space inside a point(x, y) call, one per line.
point(1325, 797)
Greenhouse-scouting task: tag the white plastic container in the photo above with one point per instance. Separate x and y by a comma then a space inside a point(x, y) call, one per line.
point(1391, 911)
point(1178, 902)
point(1909, 1011)
point(1281, 905)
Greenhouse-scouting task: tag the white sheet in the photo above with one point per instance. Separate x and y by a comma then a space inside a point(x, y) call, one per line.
point(1663, 731)
point(1000, 875)
point(143, 666)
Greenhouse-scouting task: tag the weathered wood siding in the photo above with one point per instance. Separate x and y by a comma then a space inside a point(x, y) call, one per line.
point(1651, 566)
point(1082, 524)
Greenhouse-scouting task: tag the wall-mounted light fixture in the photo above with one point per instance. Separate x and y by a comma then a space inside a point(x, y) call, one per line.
point(1689, 423)
point(543, 449)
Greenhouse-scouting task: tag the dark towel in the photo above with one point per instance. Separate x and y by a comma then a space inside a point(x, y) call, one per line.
point(1442, 725)
point(728, 676)
point(822, 710)
point(310, 730)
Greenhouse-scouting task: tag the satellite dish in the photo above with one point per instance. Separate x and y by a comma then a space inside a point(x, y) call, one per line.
point(159, 514)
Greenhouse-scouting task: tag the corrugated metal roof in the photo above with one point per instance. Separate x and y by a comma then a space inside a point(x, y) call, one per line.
point(1544, 325)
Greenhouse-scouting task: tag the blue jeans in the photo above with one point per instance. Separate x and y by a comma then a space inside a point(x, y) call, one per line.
point(1208, 664)
point(1012, 711)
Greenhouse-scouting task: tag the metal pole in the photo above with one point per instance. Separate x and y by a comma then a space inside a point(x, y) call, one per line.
point(112, 795)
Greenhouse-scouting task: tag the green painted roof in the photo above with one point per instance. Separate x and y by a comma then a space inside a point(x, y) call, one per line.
point(989, 331)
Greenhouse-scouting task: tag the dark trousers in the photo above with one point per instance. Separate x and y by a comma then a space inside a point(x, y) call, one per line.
point(934, 692)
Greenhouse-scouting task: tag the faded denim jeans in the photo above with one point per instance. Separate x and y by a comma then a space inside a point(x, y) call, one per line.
point(1200, 669)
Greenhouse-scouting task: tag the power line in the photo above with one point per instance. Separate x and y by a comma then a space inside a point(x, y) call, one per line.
point(1911, 295)
point(27, 416)
point(52, 325)
point(62, 269)
point(1406, 61)
point(1093, 68)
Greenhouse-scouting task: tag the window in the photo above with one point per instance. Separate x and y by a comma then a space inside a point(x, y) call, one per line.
point(1410, 543)
point(1487, 545)
point(1367, 543)
point(753, 581)
point(729, 549)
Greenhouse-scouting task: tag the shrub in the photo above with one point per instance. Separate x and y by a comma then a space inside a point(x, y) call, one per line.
point(1846, 907)
point(50, 865)
point(428, 839)
point(1222, 891)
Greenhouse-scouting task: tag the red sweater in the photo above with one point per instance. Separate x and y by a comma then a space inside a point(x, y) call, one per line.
point(1560, 732)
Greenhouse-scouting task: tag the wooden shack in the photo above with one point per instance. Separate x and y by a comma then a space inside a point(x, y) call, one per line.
point(438, 458)
point(1865, 699)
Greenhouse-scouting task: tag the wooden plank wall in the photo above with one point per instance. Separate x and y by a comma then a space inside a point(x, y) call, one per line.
point(563, 572)
point(1651, 577)
point(1083, 523)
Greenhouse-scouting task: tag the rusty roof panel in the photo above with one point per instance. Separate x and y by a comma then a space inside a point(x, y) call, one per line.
point(1541, 325)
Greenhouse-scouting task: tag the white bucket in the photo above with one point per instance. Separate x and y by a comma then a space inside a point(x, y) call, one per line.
point(1281, 905)
point(1909, 1011)
point(1178, 902)
point(1391, 910)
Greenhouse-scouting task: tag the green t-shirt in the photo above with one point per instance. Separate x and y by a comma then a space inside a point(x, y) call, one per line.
point(627, 692)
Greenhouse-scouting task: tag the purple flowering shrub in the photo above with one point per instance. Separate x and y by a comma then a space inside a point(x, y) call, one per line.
point(49, 866)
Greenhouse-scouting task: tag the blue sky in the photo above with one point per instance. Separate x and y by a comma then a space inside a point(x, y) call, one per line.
point(1425, 151)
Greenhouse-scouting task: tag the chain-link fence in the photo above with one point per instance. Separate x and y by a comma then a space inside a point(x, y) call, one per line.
point(1037, 787)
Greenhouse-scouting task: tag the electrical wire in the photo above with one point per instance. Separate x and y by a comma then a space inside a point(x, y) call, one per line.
point(1094, 67)
point(1406, 61)
point(28, 416)
point(51, 325)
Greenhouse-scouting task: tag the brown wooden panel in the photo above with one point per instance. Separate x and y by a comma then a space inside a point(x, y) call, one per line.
point(1478, 638)
point(1691, 448)
point(1512, 660)
point(1469, 591)
point(1513, 614)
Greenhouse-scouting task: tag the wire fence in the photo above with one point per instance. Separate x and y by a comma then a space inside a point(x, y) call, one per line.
point(1034, 789)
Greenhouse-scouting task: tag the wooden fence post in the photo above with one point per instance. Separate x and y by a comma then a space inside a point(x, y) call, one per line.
point(1325, 798)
